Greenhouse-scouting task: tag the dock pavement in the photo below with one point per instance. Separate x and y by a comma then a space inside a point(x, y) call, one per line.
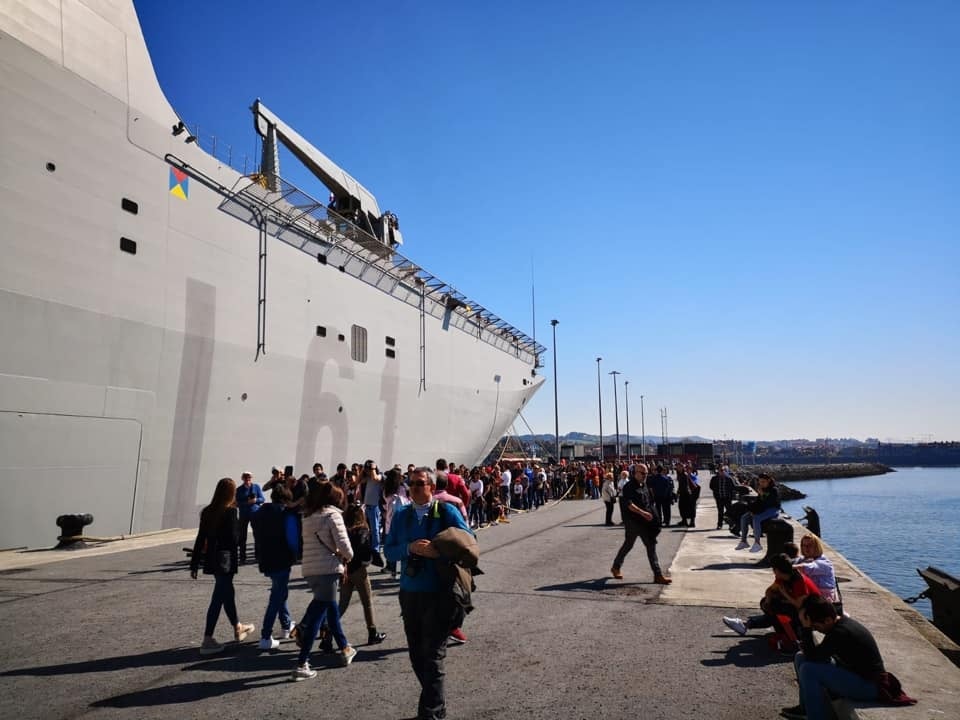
point(114, 631)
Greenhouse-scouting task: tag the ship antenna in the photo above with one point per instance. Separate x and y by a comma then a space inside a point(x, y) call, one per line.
point(533, 298)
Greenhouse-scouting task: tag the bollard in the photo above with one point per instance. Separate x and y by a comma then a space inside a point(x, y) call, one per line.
point(71, 526)
point(778, 533)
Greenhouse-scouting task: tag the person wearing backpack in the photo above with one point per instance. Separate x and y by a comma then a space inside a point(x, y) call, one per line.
point(427, 602)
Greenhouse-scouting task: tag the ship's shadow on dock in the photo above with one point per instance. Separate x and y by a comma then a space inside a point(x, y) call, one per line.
point(749, 652)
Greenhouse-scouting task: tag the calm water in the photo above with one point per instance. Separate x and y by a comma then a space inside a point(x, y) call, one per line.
point(891, 525)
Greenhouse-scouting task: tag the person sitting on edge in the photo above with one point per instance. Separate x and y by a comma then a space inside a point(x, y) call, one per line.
point(763, 507)
point(818, 568)
point(782, 598)
point(846, 664)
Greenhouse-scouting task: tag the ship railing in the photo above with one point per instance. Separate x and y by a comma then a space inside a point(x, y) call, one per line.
point(296, 218)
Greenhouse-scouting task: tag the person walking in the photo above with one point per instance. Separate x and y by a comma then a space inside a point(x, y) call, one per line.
point(722, 487)
point(356, 577)
point(639, 521)
point(372, 481)
point(276, 527)
point(426, 601)
point(216, 547)
point(326, 550)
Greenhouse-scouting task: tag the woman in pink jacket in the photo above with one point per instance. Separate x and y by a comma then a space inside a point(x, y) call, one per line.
point(326, 550)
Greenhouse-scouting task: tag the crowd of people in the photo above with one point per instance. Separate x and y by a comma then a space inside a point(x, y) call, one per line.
point(336, 526)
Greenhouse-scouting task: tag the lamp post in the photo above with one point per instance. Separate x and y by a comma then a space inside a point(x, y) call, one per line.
point(600, 408)
point(556, 411)
point(626, 398)
point(616, 411)
point(643, 431)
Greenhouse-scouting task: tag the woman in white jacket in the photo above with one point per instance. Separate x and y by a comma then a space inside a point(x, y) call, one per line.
point(326, 550)
point(609, 494)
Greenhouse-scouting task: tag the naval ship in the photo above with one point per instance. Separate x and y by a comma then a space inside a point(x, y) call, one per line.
point(168, 320)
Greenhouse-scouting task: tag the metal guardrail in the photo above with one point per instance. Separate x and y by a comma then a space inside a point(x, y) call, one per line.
point(295, 217)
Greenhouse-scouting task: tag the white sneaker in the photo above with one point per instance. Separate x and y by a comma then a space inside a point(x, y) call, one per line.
point(742, 545)
point(756, 548)
point(303, 672)
point(268, 643)
point(286, 634)
point(348, 655)
point(736, 624)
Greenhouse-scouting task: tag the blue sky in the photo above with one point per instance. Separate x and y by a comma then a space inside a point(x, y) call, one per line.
point(750, 209)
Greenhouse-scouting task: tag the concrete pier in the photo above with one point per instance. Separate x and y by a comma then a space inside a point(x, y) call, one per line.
point(114, 633)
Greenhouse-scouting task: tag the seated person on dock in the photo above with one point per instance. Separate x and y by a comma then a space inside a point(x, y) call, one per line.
point(846, 664)
point(818, 568)
point(765, 506)
point(780, 604)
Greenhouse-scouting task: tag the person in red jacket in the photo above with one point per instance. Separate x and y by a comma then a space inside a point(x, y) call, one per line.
point(455, 484)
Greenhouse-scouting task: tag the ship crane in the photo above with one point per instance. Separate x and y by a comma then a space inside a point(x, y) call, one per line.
point(348, 198)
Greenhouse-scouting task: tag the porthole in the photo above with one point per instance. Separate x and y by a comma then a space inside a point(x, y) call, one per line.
point(51, 167)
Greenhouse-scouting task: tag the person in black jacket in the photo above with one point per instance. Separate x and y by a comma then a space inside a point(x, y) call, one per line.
point(216, 545)
point(847, 663)
point(277, 530)
point(640, 520)
point(664, 495)
point(763, 507)
point(356, 577)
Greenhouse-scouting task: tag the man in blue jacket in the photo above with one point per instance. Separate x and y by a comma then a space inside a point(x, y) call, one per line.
point(249, 499)
point(426, 599)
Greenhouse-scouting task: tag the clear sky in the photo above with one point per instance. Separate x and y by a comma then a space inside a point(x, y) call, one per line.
point(750, 209)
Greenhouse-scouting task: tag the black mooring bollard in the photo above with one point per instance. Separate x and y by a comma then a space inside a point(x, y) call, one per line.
point(778, 533)
point(72, 526)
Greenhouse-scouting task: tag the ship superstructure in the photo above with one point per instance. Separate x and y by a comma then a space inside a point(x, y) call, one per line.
point(169, 321)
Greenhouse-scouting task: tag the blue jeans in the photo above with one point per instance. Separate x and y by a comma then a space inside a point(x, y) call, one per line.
point(223, 597)
point(757, 519)
point(320, 612)
point(373, 520)
point(277, 604)
point(818, 678)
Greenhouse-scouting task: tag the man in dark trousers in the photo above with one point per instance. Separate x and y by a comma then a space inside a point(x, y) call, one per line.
point(249, 499)
point(426, 599)
point(846, 663)
point(639, 520)
point(663, 493)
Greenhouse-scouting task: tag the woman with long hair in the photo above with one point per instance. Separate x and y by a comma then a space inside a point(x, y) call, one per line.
point(326, 550)
point(356, 577)
point(216, 546)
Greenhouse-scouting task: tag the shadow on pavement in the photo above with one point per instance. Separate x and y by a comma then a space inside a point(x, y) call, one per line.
point(598, 585)
point(174, 656)
point(192, 691)
point(750, 652)
point(729, 566)
point(179, 565)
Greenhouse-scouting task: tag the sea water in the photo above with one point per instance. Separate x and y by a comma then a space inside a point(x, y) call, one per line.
point(890, 525)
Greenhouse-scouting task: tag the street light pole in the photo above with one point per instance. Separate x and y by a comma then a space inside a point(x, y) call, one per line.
point(556, 411)
point(643, 431)
point(626, 397)
point(616, 411)
point(600, 408)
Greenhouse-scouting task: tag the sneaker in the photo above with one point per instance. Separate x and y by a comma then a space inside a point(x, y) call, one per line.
point(241, 631)
point(616, 573)
point(288, 632)
point(375, 638)
point(742, 545)
point(268, 643)
point(348, 655)
point(736, 624)
point(456, 637)
point(303, 672)
point(662, 580)
point(794, 713)
point(209, 646)
point(756, 548)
